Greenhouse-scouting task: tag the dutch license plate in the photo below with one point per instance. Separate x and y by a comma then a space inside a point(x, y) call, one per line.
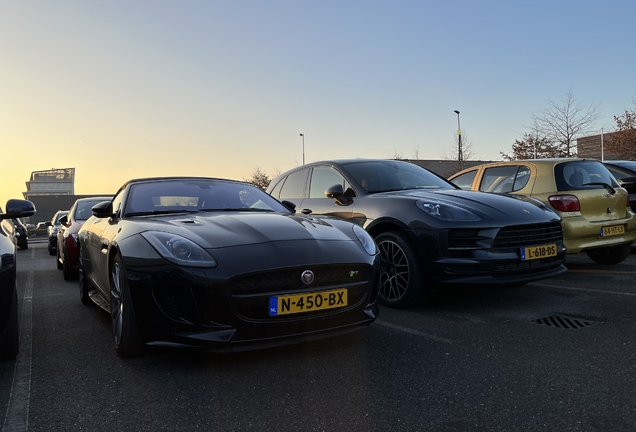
point(612, 230)
point(536, 252)
point(297, 303)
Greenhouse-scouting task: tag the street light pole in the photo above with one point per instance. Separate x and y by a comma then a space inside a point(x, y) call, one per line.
point(303, 135)
point(460, 156)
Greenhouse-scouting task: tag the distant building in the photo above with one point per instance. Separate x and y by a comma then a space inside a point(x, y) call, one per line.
point(56, 181)
point(50, 191)
point(594, 146)
point(444, 168)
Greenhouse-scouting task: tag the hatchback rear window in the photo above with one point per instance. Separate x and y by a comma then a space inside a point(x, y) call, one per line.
point(579, 175)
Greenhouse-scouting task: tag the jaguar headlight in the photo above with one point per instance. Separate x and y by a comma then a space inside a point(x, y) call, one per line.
point(446, 211)
point(366, 240)
point(179, 250)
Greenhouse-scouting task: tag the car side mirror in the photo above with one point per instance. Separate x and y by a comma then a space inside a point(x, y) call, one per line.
point(103, 210)
point(16, 208)
point(336, 192)
point(63, 220)
point(289, 206)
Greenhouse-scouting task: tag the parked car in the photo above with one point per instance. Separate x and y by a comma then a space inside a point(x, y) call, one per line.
point(21, 233)
point(9, 332)
point(53, 229)
point(625, 172)
point(431, 234)
point(42, 225)
point(221, 265)
point(596, 211)
point(70, 224)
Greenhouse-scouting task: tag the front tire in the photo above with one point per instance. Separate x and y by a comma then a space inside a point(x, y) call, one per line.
point(402, 281)
point(69, 274)
point(11, 345)
point(610, 255)
point(84, 285)
point(58, 259)
point(125, 330)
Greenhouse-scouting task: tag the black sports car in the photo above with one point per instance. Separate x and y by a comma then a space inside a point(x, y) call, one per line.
point(9, 342)
point(430, 233)
point(220, 264)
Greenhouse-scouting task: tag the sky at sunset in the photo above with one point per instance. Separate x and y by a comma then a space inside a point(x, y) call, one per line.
point(128, 89)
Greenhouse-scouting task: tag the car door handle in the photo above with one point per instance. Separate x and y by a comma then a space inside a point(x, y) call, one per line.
point(306, 211)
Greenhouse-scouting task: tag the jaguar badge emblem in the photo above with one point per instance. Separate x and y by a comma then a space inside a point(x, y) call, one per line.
point(307, 277)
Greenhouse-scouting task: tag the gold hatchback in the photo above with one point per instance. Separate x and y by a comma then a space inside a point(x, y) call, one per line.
point(597, 218)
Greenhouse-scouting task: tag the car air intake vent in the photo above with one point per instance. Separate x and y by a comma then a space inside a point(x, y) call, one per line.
point(289, 279)
point(464, 239)
point(528, 235)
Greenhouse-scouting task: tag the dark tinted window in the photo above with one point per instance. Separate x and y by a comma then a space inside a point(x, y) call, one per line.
point(388, 175)
point(83, 209)
point(578, 175)
point(322, 178)
point(294, 185)
point(465, 181)
point(505, 179)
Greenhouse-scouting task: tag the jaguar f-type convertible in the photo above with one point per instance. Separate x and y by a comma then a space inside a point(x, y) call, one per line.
point(221, 265)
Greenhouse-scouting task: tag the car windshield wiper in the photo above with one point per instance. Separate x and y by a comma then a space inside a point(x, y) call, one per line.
point(605, 185)
point(159, 212)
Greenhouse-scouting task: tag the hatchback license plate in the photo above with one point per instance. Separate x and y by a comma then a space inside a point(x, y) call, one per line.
point(297, 303)
point(536, 252)
point(612, 230)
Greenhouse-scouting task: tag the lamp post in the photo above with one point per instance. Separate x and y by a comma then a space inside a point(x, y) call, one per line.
point(303, 135)
point(460, 156)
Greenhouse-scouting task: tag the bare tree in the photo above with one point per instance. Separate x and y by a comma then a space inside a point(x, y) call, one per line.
point(623, 141)
point(562, 122)
point(416, 153)
point(259, 179)
point(453, 154)
point(533, 146)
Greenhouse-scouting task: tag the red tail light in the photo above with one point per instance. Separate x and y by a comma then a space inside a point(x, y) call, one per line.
point(629, 202)
point(565, 203)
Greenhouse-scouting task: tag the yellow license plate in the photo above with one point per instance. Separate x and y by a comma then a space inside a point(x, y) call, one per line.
point(612, 230)
point(536, 252)
point(297, 303)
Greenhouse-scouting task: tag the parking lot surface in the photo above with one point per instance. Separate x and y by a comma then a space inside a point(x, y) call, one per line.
point(553, 355)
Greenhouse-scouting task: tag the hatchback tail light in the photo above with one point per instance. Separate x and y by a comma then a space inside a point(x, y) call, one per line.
point(565, 203)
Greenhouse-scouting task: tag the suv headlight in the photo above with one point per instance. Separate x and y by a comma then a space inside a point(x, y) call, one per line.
point(446, 211)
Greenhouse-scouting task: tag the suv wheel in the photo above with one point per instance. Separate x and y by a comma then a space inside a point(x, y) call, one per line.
point(402, 281)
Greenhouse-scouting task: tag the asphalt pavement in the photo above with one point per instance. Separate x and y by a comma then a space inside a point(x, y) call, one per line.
point(558, 354)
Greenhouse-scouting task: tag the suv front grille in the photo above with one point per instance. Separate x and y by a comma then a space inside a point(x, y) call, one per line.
point(529, 235)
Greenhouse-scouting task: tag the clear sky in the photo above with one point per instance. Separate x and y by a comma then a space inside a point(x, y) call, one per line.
point(127, 89)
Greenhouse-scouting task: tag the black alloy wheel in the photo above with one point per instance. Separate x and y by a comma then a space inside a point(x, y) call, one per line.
point(402, 281)
point(125, 330)
point(610, 255)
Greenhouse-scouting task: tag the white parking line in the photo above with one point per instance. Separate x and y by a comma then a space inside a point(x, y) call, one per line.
point(413, 331)
point(17, 418)
point(585, 289)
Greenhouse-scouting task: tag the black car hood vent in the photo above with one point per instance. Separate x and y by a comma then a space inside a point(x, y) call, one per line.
point(189, 222)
